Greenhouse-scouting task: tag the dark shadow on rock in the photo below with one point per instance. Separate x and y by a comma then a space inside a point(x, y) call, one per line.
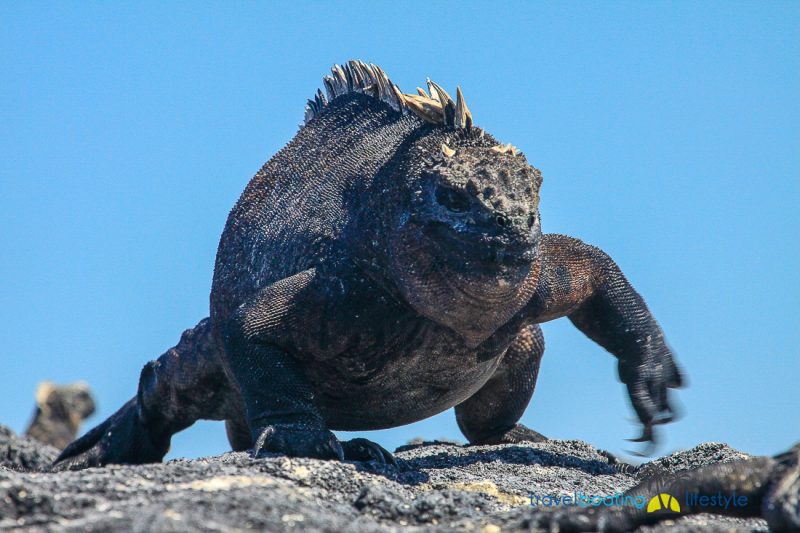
point(419, 443)
point(512, 454)
point(403, 473)
point(411, 470)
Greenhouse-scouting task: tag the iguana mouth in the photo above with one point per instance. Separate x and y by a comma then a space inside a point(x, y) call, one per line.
point(494, 253)
point(489, 253)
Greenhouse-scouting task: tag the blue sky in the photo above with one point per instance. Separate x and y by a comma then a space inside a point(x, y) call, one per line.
point(668, 134)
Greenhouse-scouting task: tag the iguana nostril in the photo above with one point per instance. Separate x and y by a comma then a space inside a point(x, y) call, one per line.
point(531, 220)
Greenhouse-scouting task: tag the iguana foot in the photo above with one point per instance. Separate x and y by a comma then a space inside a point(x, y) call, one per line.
point(366, 450)
point(515, 435)
point(122, 439)
point(298, 440)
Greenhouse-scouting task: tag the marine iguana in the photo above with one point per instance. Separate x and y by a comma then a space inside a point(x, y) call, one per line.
point(60, 410)
point(387, 264)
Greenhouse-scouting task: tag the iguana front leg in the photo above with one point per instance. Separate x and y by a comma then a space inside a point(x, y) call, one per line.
point(278, 398)
point(581, 282)
point(491, 415)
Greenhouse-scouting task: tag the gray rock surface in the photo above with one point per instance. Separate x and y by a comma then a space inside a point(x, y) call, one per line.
point(437, 486)
point(23, 453)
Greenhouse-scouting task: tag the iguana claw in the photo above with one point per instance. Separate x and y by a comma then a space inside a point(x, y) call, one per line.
point(648, 436)
point(298, 440)
point(122, 439)
point(366, 450)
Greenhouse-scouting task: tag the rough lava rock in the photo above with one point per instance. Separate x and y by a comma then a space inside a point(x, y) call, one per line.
point(23, 453)
point(437, 486)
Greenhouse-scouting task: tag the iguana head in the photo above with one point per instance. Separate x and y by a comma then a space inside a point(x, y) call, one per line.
point(463, 242)
point(453, 216)
point(480, 205)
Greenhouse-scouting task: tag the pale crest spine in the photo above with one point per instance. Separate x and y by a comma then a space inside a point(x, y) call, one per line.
point(362, 78)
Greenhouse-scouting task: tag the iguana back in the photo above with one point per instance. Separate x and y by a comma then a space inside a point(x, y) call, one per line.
point(292, 214)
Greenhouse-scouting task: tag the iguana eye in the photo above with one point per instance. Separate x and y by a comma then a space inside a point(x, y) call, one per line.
point(452, 199)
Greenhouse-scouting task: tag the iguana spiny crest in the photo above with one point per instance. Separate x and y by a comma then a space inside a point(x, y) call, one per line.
point(437, 107)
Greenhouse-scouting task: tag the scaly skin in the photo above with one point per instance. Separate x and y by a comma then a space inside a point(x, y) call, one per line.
point(376, 271)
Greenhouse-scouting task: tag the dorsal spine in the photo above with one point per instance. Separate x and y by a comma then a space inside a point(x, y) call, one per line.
point(362, 78)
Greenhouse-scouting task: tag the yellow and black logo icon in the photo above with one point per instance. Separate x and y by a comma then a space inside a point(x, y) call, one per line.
point(663, 502)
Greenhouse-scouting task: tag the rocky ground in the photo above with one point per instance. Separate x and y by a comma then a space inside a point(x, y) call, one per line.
point(437, 486)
